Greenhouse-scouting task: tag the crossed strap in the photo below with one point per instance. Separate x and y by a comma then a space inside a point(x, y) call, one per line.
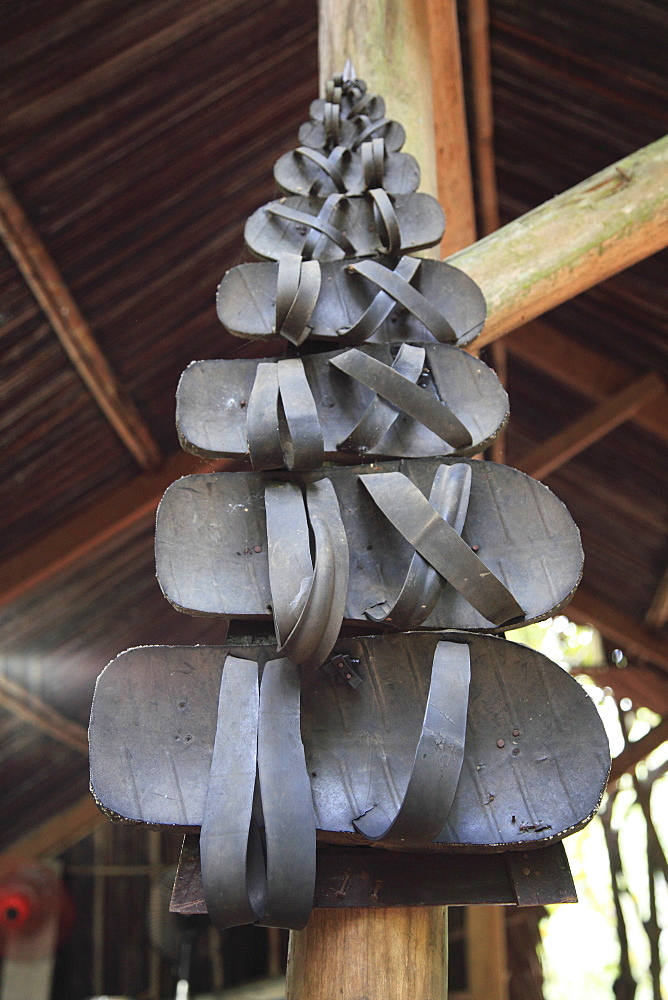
point(357, 97)
point(438, 760)
point(373, 164)
point(308, 595)
point(385, 217)
point(298, 288)
point(331, 165)
point(396, 392)
point(396, 287)
point(433, 527)
point(282, 424)
point(283, 427)
point(257, 842)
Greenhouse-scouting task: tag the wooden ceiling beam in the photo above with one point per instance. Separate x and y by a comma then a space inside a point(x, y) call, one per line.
point(50, 290)
point(583, 369)
point(594, 425)
point(642, 683)
point(657, 613)
point(34, 710)
point(635, 640)
point(57, 833)
point(77, 539)
point(578, 239)
point(636, 752)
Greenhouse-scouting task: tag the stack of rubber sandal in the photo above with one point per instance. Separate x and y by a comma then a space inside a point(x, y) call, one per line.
point(377, 711)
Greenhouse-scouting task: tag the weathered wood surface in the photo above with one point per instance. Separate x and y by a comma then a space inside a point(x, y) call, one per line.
point(409, 53)
point(635, 639)
point(578, 239)
point(373, 879)
point(51, 292)
point(386, 954)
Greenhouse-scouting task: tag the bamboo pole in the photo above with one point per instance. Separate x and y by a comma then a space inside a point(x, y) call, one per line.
point(578, 239)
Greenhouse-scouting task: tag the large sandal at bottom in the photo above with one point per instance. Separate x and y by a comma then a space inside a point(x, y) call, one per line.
point(446, 743)
point(350, 302)
point(345, 226)
point(237, 545)
point(389, 401)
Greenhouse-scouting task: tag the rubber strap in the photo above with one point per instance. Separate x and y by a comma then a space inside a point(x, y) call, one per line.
point(319, 222)
point(308, 600)
point(386, 220)
point(370, 129)
point(423, 586)
point(366, 105)
point(332, 121)
point(404, 394)
point(262, 430)
point(438, 759)
point(232, 862)
point(331, 165)
point(302, 446)
point(379, 416)
point(297, 291)
point(373, 163)
point(407, 296)
point(287, 803)
point(381, 306)
point(411, 514)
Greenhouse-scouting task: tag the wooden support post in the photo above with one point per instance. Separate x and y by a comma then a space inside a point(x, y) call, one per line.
point(592, 426)
point(578, 239)
point(486, 958)
point(384, 954)
point(408, 51)
point(50, 290)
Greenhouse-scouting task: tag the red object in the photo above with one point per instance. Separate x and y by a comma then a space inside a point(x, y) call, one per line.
point(30, 894)
point(15, 910)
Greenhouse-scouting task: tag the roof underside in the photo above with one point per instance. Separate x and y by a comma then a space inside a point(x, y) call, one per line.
point(138, 138)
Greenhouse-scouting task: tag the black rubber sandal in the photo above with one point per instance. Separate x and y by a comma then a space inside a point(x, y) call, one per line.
point(382, 301)
point(444, 743)
point(335, 130)
point(345, 226)
point(314, 173)
point(517, 555)
point(379, 401)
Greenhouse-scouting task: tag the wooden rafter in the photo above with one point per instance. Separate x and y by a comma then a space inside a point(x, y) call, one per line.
point(35, 711)
point(78, 539)
point(588, 372)
point(633, 753)
point(643, 684)
point(451, 143)
point(636, 641)
point(657, 613)
point(578, 239)
point(57, 833)
point(592, 426)
point(50, 290)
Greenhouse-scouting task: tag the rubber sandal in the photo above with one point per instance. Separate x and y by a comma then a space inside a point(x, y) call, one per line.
point(382, 300)
point(335, 130)
point(446, 743)
point(345, 226)
point(352, 97)
point(509, 549)
point(311, 172)
point(379, 401)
